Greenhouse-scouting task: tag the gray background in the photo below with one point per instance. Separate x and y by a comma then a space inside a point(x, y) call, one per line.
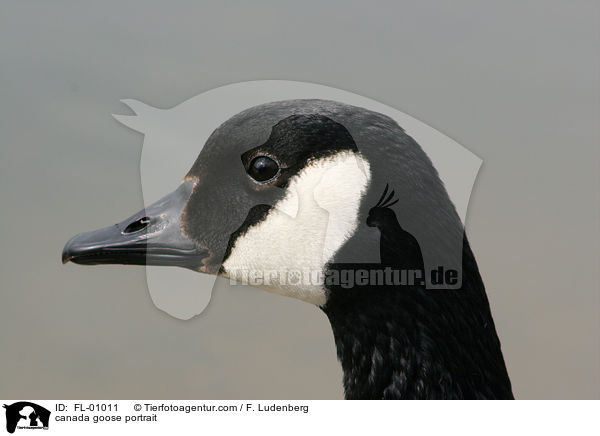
point(516, 82)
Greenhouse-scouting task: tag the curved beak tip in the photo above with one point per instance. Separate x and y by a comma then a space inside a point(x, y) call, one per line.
point(66, 255)
point(71, 250)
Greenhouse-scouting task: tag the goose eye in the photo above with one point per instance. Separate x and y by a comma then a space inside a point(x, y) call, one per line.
point(263, 168)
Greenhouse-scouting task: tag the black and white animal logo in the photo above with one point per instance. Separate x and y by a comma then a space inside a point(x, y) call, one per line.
point(26, 415)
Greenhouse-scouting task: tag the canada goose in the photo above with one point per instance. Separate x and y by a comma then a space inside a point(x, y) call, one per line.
point(297, 185)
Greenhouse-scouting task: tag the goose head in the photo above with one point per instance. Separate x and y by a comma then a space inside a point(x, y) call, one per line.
point(290, 186)
point(286, 185)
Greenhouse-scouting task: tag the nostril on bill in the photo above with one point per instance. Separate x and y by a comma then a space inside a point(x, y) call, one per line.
point(137, 225)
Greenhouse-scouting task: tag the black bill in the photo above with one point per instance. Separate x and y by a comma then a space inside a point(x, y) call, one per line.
point(152, 236)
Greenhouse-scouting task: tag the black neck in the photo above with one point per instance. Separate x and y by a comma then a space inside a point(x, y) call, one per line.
point(412, 343)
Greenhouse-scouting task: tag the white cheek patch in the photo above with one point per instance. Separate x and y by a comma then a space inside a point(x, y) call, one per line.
point(286, 253)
